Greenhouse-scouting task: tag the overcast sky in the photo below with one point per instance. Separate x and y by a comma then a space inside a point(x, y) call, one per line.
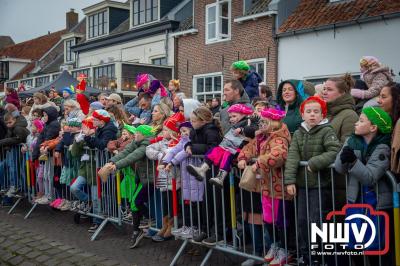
point(27, 19)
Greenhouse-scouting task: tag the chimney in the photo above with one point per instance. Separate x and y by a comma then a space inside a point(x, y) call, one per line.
point(71, 19)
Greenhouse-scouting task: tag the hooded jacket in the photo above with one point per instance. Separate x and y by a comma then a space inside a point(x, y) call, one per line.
point(375, 79)
point(204, 138)
point(342, 117)
point(51, 130)
point(303, 89)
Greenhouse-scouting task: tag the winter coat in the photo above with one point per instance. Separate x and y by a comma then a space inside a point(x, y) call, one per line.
point(193, 190)
point(342, 117)
point(42, 107)
point(118, 144)
point(13, 99)
point(224, 115)
point(134, 155)
point(204, 138)
point(368, 170)
point(3, 128)
point(215, 110)
point(271, 151)
point(156, 152)
point(17, 134)
point(395, 154)
point(250, 84)
point(293, 118)
point(319, 147)
point(88, 166)
point(375, 79)
point(102, 136)
point(50, 131)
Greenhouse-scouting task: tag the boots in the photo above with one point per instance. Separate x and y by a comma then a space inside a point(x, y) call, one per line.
point(218, 180)
point(159, 237)
point(198, 172)
point(168, 233)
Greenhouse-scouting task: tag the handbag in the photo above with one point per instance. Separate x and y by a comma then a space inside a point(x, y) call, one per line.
point(248, 181)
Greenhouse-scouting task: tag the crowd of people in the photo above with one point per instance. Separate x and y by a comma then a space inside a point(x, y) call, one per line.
point(351, 124)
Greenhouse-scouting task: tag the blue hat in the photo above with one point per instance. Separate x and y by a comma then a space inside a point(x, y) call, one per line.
point(68, 90)
point(96, 105)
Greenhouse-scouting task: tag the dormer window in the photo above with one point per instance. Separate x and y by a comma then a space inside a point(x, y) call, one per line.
point(144, 11)
point(98, 24)
point(69, 55)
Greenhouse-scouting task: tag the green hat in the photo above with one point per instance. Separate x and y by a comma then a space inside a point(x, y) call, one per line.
point(74, 122)
point(130, 129)
point(146, 130)
point(379, 118)
point(241, 65)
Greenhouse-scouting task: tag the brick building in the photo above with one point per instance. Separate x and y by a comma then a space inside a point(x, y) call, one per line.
point(219, 33)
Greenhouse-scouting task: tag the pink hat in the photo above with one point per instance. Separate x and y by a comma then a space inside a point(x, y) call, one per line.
point(241, 109)
point(141, 80)
point(39, 124)
point(273, 114)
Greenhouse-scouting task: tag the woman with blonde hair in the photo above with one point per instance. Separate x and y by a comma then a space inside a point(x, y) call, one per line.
point(160, 112)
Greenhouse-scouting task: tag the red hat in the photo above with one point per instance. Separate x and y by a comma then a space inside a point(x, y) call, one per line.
point(82, 76)
point(174, 121)
point(88, 122)
point(318, 100)
point(102, 115)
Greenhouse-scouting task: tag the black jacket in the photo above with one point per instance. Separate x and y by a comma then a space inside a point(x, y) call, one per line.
point(50, 131)
point(16, 134)
point(204, 138)
point(102, 136)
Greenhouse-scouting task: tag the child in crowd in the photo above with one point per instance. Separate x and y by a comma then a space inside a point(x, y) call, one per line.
point(249, 78)
point(316, 143)
point(223, 155)
point(375, 77)
point(156, 152)
point(134, 155)
point(116, 146)
point(365, 157)
point(94, 139)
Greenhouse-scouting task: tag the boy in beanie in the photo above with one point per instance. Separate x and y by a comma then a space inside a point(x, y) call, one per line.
point(249, 79)
point(315, 142)
point(133, 157)
point(94, 139)
point(365, 157)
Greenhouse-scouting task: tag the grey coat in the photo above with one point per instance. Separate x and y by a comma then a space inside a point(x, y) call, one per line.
point(370, 174)
point(224, 115)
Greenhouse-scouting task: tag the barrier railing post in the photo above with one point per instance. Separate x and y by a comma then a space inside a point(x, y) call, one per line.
point(233, 208)
point(396, 216)
point(119, 196)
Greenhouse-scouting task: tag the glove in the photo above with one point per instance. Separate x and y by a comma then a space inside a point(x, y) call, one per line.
point(347, 155)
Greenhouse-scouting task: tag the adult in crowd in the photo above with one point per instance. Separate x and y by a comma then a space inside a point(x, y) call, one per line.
point(72, 110)
point(12, 97)
point(215, 106)
point(177, 102)
point(160, 112)
point(102, 97)
point(118, 117)
point(234, 93)
point(54, 97)
point(290, 95)
point(248, 78)
point(389, 100)
point(40, 101)
point(113, 99)
point(341, 114)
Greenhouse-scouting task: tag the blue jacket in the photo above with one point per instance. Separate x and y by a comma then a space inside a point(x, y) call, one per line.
point(250, 84)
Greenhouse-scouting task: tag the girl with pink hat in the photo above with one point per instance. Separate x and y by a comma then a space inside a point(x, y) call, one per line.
point(222, 155)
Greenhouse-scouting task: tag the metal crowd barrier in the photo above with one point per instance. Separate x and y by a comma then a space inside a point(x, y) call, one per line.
point(13, 174)
point(231, 213)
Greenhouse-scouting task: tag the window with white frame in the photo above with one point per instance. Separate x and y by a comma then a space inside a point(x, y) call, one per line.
point(207, 87)
point(12, 85)
point(218, 21)
point(258, 65)
point(162, 61)
point(69, 55)
point(42, 80)
point(98, 24)
point(27, 82)
point(144, 11)
point(248, 4)
point(103, 76)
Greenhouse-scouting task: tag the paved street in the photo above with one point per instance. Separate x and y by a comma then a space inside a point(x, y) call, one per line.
point(50, 237)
